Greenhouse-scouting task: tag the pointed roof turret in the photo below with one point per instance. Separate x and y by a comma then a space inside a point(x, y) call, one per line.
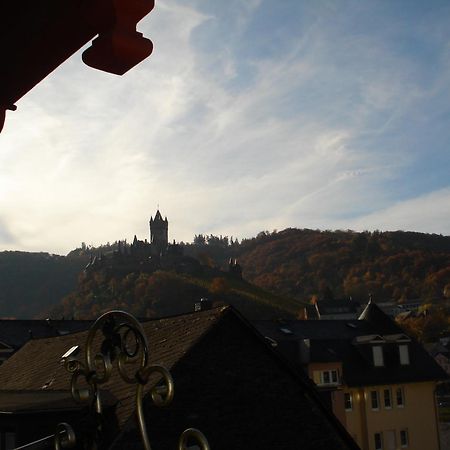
point(374, 314)
point(158, 217)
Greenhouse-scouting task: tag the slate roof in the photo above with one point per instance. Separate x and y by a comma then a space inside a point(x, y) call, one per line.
point(228, 382)
point(16, 333)
point(436, 348)
point(334, 340)
point(338, 306)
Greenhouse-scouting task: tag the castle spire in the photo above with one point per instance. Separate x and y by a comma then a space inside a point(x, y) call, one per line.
point(159, 236)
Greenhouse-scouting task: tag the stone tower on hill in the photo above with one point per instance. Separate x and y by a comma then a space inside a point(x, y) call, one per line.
point(159, 235)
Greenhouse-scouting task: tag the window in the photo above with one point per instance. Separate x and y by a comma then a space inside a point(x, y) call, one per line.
point(404, 438)
point(400, 397)
point(377, 351)
point(387, 398)
point(374, 399)
point(378, 441)
point(334, 377)
point(329, 377)
point(404, 355)
point(348, 401)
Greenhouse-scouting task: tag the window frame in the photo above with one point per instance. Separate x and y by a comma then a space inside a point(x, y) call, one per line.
point(404, 434)
point(403, 355)
point(401, 391)
point(380, 437)
point(377, 400)
point(335, 378)
point(388, 397)
point(332, 375)
point(378, 356)
point(348, 400)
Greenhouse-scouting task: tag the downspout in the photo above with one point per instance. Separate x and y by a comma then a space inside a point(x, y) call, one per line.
point(436, 416)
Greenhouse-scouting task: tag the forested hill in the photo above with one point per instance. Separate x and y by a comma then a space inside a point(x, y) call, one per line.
point(30, 283)
point(305, 263)
point(293, 263)
point(165, 293)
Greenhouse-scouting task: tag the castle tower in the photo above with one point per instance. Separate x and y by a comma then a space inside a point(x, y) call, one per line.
point(159, 234)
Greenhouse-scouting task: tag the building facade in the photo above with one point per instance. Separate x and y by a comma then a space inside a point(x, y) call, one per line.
point(378, 382)
point(229, 384)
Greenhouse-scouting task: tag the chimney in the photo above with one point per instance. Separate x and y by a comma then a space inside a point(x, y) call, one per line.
point(203, 305)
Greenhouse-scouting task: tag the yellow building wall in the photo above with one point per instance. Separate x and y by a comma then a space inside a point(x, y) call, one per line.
point(314, 370)
point(337, 396)
point(417, 416)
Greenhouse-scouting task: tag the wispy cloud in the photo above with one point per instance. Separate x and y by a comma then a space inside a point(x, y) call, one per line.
point(427, 213)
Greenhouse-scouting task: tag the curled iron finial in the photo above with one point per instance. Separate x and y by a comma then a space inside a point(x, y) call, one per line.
point(192, 434)
point(64, 436)
point(161, 395)
point(117, 328)
point(125, 342)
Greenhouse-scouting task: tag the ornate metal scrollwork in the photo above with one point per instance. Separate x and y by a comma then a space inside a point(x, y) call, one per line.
point(124, 343)
point(64, 436)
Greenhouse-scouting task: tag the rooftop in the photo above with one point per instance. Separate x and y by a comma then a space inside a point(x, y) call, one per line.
point(228, 382)
point(348, 341)
point(15, 333)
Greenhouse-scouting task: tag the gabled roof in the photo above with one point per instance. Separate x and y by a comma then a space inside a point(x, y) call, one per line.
point(374, 314)
point(350, 341)
point(16, 333)
point(229, 383)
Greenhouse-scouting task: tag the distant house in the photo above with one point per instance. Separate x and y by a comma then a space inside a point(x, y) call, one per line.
point(394, 309)
point(16, 333)
point(377, 381)
point(441, 353)
point(334, 309)
point(229, 383)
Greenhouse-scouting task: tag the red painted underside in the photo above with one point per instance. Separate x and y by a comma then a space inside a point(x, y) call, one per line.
point(37, 36)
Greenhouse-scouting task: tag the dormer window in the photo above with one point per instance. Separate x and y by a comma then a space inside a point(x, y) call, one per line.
point(404, 354)
point(378, 360)
point(329, 377)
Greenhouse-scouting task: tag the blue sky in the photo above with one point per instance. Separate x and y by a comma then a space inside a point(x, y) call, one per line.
point(250, 115)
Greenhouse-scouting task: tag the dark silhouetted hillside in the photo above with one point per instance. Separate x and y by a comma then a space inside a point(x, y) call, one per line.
point(30, 283)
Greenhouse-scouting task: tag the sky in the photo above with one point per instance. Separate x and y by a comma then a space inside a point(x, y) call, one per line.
point(250, 115)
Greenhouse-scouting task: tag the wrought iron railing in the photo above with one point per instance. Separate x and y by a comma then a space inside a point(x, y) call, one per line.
point(124, 344)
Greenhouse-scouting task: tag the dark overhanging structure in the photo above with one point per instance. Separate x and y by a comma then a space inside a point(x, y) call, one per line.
point(37, 36)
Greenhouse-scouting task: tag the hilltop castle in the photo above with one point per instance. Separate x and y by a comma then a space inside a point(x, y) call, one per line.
point(147, 255)
point(159, 239)
point(151, 255)
point(159, 233)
